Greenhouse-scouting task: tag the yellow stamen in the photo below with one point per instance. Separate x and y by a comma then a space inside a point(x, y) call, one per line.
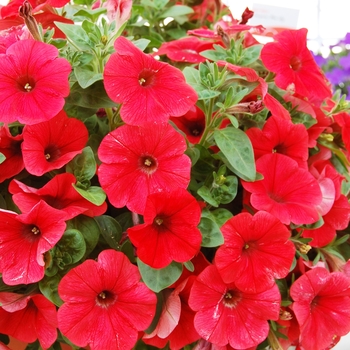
point(27, 87)
point(158, 221)
point(35, 230)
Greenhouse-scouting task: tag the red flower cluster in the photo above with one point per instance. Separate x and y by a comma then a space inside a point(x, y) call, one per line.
point(199, 204)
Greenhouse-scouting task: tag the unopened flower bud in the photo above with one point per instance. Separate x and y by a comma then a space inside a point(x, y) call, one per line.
point(246, 15)
point(224, 36)
point(252, 107)
point(25, 11)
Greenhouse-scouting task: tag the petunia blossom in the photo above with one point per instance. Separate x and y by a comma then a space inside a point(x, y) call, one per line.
point(175, 324)
point(149, 90)
point(10, 147)
point(191, 123)
point(294, 64)
point(288, 192)
point(226, 315)
point(185, 50)
point(59, 193)
point(281, 136)
point(105, 297)
point(52, 144)
point(322, 307)
point(24, 239)
point(138, 161)
point(33, 82)
point(28, 318)
point(256, 251)
point(169, 232)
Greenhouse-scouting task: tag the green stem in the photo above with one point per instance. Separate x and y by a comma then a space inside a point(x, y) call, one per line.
point(208, 122)
point(273, 341)
point(110, 116)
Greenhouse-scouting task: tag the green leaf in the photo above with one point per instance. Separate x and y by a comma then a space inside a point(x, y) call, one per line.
point(93, 194)
point(94, 96)
point(159, 279)
point(220, 216)
point(250, 55)
point(214, 55)
point(76, 35)
point(128, 249)
point(49, 288)
point(88, 228)
point(141, 43)
point(83, 165)
point(210, 226)
point(189, 266)
point(91, 14)
point(2, 157)
point(72, 243)
point(205, 193)
point(176, 11)
point(227, 192)
point(237, 148)
point(86, 77)
point(110, 230)
point(211, 234)
point(160, 4)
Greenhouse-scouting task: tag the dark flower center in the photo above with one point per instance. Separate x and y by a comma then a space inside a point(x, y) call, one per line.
point(232, 298)
point(106, 299)
point(276, 197)
point(26, 84)
point(196, 128)
point(148, 164)
point(147, 77)
point(52, 153)
point(31, 232)
point(295, 63)
point(281, 148)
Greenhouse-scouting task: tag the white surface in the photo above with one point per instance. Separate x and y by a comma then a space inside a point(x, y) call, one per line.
point(344, 343)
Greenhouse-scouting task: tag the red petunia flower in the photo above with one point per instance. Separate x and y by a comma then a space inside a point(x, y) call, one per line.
point(192, 124)
point(24, 239)
point(52, 144)
point(33, 82)
point(226, 315)
point(138, 161)
point(149, 90)
point(58, 193)
point(294, 64)
point(175, 324)
point(11, 35)
point(118, 11)
point(281, 136)
point(288, 192)
point(10, 147)
point(322, 307)
point(336, 219)
point(185, 50)
point(105, 297)
point(28, 318)
point(256, 251)
point(169, 232)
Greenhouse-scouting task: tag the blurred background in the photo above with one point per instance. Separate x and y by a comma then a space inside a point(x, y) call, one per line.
point(328, 27)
